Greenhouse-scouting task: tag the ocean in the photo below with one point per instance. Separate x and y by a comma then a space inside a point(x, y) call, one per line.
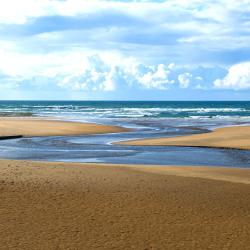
point(148, 120)
point(129, 109)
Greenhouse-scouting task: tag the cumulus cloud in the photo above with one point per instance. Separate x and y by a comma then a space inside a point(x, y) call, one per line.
point(81, 71)
point(154, 77)
point(184, 79)
point(95, 75)
point(238, 78)
point(102, 75)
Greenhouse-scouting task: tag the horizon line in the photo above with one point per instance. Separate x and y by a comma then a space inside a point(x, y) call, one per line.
point(67, 100)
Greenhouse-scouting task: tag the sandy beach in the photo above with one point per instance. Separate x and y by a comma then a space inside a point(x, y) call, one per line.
point(229, 137)
point(45, 127)
point(88, 206)
point(125, 125)
point(103, 206)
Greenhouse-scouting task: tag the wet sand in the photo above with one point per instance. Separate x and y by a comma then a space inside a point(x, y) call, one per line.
point(45, 127)
point(229, 137)
point(91, 206)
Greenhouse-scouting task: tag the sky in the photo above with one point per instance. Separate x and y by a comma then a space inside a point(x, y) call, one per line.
point(125, 50)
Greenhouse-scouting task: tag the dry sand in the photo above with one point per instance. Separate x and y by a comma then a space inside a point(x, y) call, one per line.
point(229, 137)
point(88, 206)
point(43, 127)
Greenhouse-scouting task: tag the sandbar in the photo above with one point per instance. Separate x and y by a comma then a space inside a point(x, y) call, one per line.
point(237, 137)
point(28, 127)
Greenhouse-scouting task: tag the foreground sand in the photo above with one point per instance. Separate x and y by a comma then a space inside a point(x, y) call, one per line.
point(43, 127)
point(74, 206)
point(228, 137)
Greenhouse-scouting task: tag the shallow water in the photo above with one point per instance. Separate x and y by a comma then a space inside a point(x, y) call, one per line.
point(99, 148)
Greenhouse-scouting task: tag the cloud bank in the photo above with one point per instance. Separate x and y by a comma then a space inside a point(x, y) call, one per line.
point(238, 78)
point(108, 46)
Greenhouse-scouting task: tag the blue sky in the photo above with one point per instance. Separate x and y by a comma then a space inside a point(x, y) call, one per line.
point(125, 50)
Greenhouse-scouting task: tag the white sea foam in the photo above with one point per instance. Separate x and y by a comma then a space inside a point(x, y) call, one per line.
point(124, 110)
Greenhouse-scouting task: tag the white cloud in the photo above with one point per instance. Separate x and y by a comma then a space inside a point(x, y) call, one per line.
point(155, 77)
point(103, 74)
point(184, 79)
point(238, 78)
point(199, 78)
point(174, 29)
point(96, 75)
point(171, 66)
point(17, 12)
point(80, 70)
point(14, 63)
point(132, 48)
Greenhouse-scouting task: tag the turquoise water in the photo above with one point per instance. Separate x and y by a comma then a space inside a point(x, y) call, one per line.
point(128, 109)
